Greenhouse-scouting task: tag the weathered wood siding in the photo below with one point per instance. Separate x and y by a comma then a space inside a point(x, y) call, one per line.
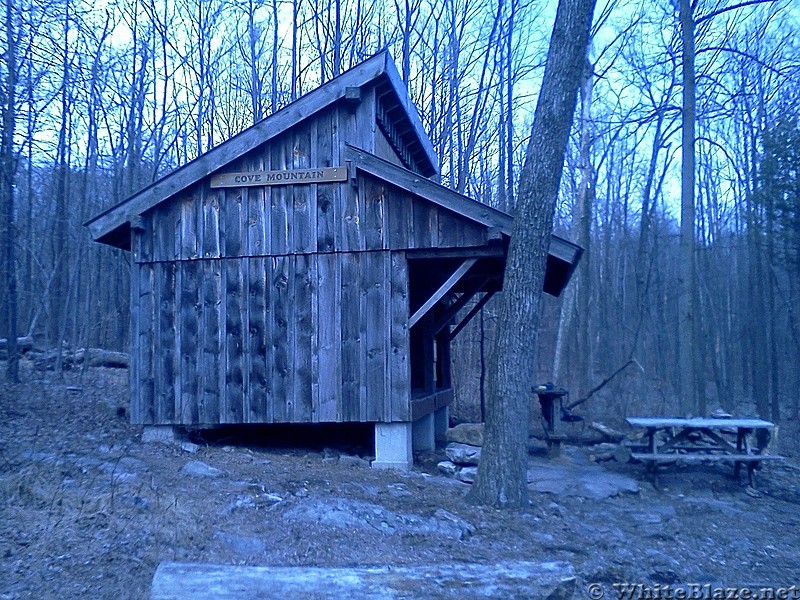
point(283, 303)
point(293, 338)
point(301, 219)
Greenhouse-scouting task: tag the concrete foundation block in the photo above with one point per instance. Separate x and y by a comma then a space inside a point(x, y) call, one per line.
point(393, 446)
point(424, 434)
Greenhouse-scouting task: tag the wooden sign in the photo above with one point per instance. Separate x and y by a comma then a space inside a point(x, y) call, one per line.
point(289, 177)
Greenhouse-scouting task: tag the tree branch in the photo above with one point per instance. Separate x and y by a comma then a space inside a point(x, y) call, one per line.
point(725, 9)
point(602, 384)
point(755, 59)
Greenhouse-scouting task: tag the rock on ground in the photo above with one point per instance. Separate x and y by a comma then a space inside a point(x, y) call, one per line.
point(352, 461)
point(447, 467)
point(466, 433)
point(245, 545)
point(344, 513)
point(196, 468)
point(571, 478)
point(467, 474)
point(463, 454)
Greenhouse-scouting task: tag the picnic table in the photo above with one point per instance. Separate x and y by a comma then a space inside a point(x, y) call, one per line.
point(704, 440)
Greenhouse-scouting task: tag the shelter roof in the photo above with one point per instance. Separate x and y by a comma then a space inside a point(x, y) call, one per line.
point(112, 226)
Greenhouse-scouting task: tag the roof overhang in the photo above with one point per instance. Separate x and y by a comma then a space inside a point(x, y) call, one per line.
point(112, 225)
point(563, 255)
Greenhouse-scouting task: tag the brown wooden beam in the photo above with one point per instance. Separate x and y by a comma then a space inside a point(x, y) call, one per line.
point(453, 310)
point(432, 402)
point(481, 303)
point(439, 294)
point(476, 252)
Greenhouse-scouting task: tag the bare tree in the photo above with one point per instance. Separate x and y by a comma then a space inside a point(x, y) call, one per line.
point(502, 473)
point(687, 284)
point(8, 98)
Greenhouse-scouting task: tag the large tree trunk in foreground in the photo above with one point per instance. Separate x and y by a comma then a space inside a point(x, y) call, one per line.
point(687, 283)
point(502, 473)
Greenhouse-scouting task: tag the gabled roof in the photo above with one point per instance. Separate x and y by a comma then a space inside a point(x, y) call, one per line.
point(112, 226)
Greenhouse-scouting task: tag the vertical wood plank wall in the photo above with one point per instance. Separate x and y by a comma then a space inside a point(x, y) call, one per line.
point(284, 303)
point(295, 338)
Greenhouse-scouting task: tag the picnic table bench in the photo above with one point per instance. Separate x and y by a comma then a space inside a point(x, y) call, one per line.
point(703, 440)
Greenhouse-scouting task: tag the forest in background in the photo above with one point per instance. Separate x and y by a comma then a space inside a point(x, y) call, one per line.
point(100, 99)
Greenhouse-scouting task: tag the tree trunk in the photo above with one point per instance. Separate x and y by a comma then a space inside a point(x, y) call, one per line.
point(7, 194)
point(337, 39)
point(586, 192)
point(688, 273)
point(61, 261)
point(295, 57)
point(274, 61)
point(502, 473)
point(565, 326)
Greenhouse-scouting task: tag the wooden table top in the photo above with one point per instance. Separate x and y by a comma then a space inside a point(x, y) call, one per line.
point(699, 422)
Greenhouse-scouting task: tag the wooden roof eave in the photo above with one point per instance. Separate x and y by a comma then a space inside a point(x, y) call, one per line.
point(410, 110)
point(429, 190)
point(445, 197)
point(560, 250)
point(105, 226)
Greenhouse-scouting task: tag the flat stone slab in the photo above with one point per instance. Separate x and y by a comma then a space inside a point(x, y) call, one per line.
point(571, 478)
point(516, 579)
point(344, 513)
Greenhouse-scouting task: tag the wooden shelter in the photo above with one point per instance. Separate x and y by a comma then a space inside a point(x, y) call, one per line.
point(311, 270)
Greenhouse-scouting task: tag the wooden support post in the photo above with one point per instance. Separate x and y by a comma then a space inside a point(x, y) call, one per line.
point(443, 362)
point(441, 423)
point(423, 434)
point(428, 352)
point(137, 223)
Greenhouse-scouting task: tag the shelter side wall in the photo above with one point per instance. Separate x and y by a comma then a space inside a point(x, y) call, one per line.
point(283, 339)
point(207, 223)
point(202, 222)
point(415, 223)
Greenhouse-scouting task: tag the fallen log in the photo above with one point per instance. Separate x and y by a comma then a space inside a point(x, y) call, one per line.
point(612, 434)
point(94, 357)
point(46, 361)
point(576, 438)
point(97, 357)
point(512, 579)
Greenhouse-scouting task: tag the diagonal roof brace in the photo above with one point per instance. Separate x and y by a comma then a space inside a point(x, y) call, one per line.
point(459, 304)
point(439, 294)
point(481, 303)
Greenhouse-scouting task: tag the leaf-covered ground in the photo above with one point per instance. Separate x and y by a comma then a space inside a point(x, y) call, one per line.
point(88, 511)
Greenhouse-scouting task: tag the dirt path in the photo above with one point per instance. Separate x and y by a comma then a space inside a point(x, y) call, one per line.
point(87, 510)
